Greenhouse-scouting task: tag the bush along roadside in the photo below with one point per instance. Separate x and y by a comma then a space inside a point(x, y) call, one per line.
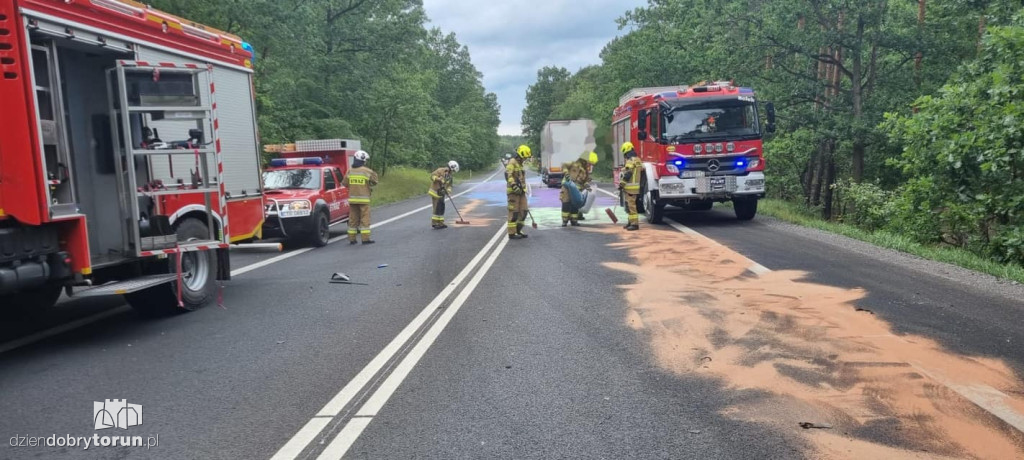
point(867, 215)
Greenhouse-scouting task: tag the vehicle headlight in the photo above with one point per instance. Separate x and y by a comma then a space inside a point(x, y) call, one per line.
point(672, 169)
point(298, 205)
point(753, 162)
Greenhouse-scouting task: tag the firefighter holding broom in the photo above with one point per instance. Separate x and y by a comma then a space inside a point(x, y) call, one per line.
point(441, 186)
point(629, 184)
point(579, 175)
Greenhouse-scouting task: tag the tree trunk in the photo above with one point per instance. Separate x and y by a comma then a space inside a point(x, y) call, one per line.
point(919, 57)
point(857, 95)
point(818, 173)
point(829, 182)
point(981, 31)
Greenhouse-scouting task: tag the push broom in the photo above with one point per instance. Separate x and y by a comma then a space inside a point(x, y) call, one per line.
point(461, 221)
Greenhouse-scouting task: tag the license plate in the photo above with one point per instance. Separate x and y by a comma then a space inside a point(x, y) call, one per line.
point(690, 174)
point(717, 183)
point(295, 213)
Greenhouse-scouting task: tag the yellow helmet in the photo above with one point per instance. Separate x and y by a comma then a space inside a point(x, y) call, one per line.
point(524, 151)
point(592, 158)
point(626, 146)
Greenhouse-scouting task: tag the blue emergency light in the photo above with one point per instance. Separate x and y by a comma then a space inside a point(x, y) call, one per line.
point(277, 162)
point(246, 46)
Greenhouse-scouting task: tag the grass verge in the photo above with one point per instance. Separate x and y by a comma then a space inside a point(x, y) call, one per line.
point(402, 183)
point(798, 214)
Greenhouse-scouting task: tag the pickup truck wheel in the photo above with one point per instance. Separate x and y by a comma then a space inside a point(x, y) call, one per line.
point(320, 234)
point(653, 210)
point(198, 273)
point(745, 209)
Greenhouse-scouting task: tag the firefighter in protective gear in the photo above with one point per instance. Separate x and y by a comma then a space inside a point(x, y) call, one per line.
point(359, 182)
point(515, 176)
point(629, 184)
point(579, 173)
point(440, 186)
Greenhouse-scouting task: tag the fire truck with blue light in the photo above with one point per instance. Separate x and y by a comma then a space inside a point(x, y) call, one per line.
point(127, 138)
point(699, 145)
point(303, 189)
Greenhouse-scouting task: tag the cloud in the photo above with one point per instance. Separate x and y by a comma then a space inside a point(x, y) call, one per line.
point(509, 41)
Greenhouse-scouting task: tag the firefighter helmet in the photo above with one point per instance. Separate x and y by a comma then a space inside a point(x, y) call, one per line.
point(592, 158)
point(361, 156)
point(524, 151)
point(453, 165)
point(626, 146)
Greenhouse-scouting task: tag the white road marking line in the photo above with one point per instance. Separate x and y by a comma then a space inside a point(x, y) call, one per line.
point(61, 329)
point(346, 438)
point(307, 433)
point(18, 343)
point(754, 267)
point(348, 435)
point(983, 396)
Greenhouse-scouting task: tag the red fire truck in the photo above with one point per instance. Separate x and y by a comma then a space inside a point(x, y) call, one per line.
point(699, 144)
point(128, 137)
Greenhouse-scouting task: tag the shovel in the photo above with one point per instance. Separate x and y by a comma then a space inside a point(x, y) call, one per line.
point(461, 221)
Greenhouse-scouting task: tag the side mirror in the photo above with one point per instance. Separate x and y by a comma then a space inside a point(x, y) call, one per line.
point(642, 119)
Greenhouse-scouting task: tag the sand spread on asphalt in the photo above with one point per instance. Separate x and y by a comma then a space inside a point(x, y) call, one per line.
point(467, 214)
point(807, 355)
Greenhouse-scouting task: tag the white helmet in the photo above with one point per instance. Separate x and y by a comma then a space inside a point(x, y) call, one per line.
point(361, 156)
point(453, 165)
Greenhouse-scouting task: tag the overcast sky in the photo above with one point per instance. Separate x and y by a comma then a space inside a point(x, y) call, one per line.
point(511, 39)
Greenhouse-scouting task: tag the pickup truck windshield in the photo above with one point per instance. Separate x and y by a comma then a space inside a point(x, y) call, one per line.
point(292, 179)
point(721, 118)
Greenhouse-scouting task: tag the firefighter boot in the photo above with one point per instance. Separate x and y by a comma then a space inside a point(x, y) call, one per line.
point(633, 227)
point(519, 230)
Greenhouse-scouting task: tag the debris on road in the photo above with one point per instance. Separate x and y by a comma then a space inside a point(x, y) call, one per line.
point(382, 266)
point(694, 431)
point(865, 310)
point(341, 278)
point(280, 342)
point(810, 425)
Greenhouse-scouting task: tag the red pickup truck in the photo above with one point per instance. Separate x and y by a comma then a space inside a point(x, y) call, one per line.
point(303, 197)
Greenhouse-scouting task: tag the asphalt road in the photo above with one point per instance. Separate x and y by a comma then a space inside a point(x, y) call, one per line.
point(468, 345)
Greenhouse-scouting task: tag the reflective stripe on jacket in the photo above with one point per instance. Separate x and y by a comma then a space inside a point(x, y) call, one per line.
point(631, 177)
point(359, 182)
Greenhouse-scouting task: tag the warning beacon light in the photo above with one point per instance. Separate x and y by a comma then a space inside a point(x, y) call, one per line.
point(278, 162)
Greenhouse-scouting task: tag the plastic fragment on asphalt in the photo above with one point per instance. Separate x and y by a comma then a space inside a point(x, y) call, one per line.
point(694, 431)
point(809, 425)
point(382, 265)
point(340, 277)
point(280, 342)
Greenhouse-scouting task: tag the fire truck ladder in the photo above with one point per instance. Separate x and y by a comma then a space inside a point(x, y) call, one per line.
point(135, 96)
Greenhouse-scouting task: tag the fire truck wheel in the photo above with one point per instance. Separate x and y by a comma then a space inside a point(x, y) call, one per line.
point(653, 210)
point(745, 209)
point(198, 273)
point(320, 233)
point(30, 303)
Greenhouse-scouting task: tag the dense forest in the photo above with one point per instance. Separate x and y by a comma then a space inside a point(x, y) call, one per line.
point(898, 116)
point(370, 70)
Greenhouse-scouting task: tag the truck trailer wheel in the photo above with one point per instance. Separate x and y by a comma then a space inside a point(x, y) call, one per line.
point(29, 303)
point(745, 209)
point(199, 271)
